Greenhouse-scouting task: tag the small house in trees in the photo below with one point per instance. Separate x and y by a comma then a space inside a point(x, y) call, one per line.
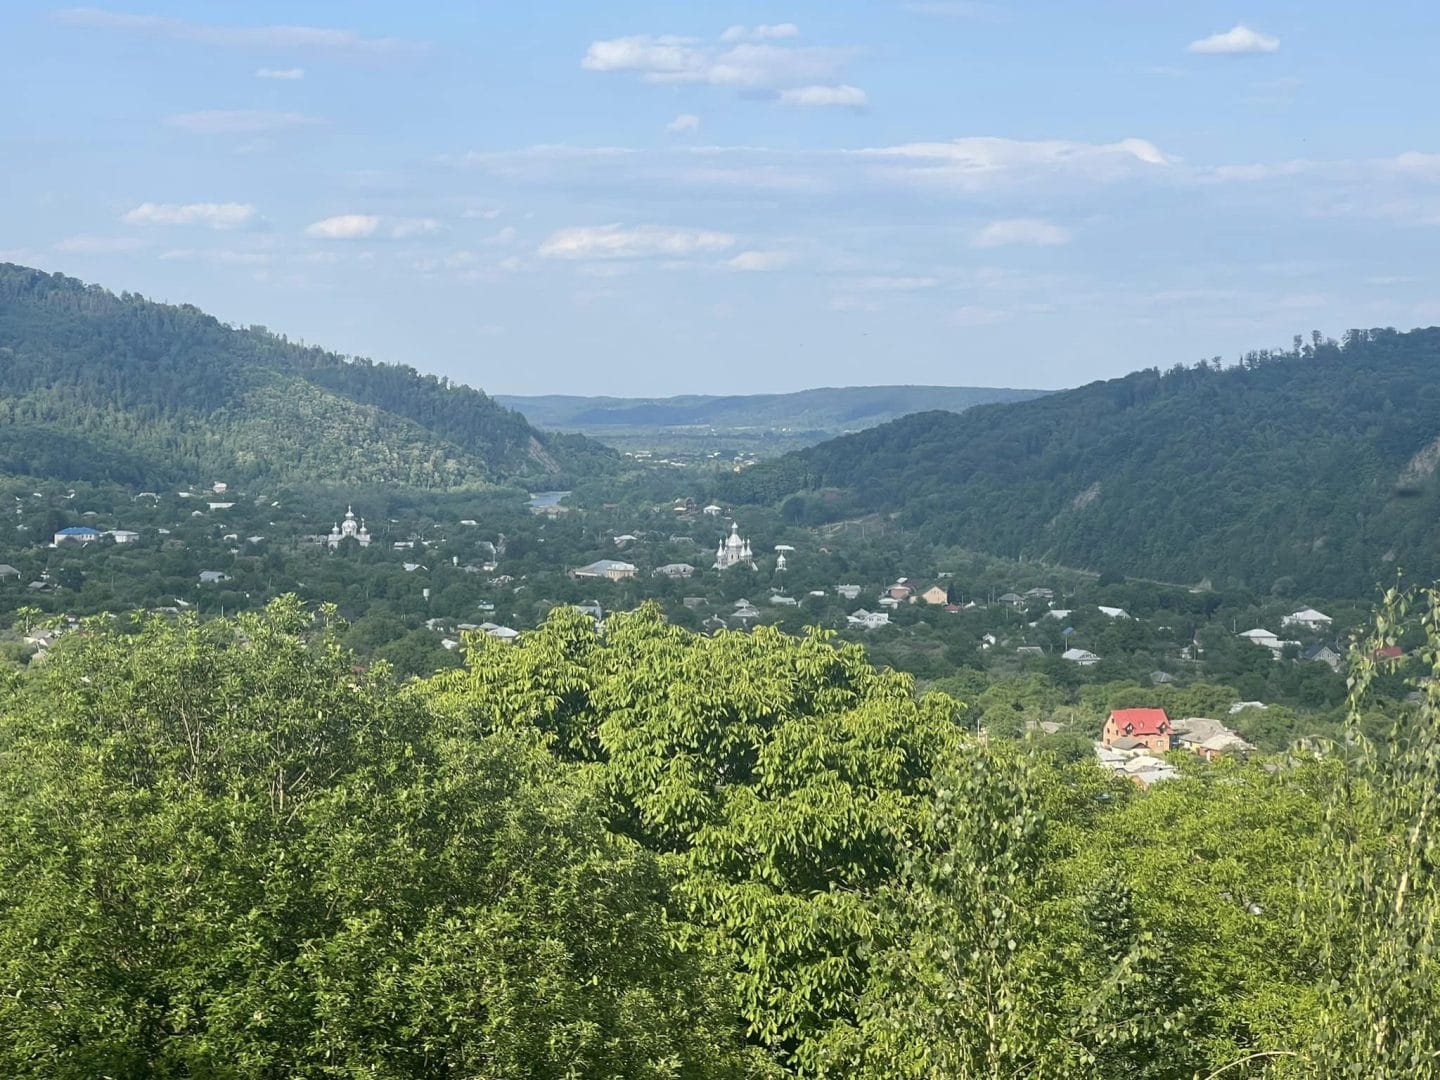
point(76, 534)
point(1261, 636)
point(1148, 726)
point(611, 569)
point(1113, 612)
point(213, 577)
point(1317, 622)
point(936, 595)
point(1328, 655)
point(8, 571)
point(860, 619)
point(1083, 657)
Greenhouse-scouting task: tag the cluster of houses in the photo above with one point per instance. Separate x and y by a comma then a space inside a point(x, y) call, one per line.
point(1306, 620)
point(1132, 741)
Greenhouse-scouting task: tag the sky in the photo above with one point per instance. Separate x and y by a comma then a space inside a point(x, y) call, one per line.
point(658, 198)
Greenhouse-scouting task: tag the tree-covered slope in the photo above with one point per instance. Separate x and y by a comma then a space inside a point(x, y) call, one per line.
point(99, 386)
point(1315, 464)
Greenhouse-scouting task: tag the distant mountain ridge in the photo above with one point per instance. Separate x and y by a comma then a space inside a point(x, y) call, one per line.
point(802, 417)
point(99, 386)
point(1311, 468)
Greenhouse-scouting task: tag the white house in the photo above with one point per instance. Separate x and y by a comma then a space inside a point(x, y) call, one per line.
point(613, 569)
point(1083, 657)
point(213, 577)
point(1261, 636)
point(849, 592)
point(124, 536)
point(1316, 622)
point(1113, 612)
point(675, 570)
point(76, 534)
point(713, 510)
point(1058, 613)
point(867, 620)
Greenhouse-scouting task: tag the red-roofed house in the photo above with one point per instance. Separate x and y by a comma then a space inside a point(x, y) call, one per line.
point(1148, 726)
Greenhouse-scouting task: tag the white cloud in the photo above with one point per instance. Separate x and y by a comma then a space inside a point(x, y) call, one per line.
point(212, 215)
point(1032, 232)
point(752, 65)
point(280, 73)
point(247, 37)
point(759, 261)
point(344, 227)
point(1236, 41)
point(641, 241)
point(238, 121)
point(99, 245)
point(763, 32)
point(985, 161)
point(684, 124)
point(847, 96)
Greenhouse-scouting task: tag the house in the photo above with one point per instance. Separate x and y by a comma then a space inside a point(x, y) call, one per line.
point(502, 633)
point(1261, 636)
point(591, 608)
point(1149, 726)
point(1328, 655)
point(1029, 650)
point(713, 511)
point(693, 602)
point(610, 569)
point(887, 601)
point(1040, 593)
point(625, 538)
point(784, 601)
point(1241, 706)
point(1015, 600)
point(860, 619)
point(1220, 744)
point(76, 534)
point(903, 589)
point(123, 536)
point(220, 505)
point(849, 592)
point(411, 567)
point(676, 570)
point(1388, 654)
point(1161, 678)
point(213, 577)
point(1317, 622)
point(745, 611)
point(1080, 656)
point(987, 640)
point(936, 595)
point(1113, 612)
point(1058, 613)
point(8, 571)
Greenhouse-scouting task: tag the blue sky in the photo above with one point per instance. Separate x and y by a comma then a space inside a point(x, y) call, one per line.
point(656, 198)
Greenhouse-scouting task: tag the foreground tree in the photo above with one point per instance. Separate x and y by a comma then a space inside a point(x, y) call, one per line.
point(223, 852)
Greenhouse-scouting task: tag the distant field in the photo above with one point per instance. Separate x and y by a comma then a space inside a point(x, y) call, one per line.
point(763, 424)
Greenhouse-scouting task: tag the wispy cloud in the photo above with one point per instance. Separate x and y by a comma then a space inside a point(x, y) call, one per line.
point(211, 215)
point(344, 227)
point(280, 73)
point(684, 124)
point(759, 261)
point(283, 37)
point(982, 162)
point(1236, 41)
point(1031, 232)
point(851, 97)
point(771, 32)
point(640, 241)
point(368, 226)
point(238, 121)
point(745, 58)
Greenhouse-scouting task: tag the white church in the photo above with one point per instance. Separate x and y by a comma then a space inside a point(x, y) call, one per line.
point(734, 551)
point(349, 529)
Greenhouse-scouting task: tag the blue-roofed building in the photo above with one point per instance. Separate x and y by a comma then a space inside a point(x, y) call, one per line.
point(76, 534)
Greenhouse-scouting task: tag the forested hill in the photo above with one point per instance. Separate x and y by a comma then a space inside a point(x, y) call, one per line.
point(1315, 464)
point(97, 386)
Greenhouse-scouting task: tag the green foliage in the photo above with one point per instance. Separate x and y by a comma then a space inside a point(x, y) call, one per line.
point(225, 854)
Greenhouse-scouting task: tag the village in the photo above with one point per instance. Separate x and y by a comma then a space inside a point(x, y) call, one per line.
point(412, 580)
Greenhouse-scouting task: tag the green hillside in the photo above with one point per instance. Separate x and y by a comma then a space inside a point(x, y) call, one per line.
point(1315, 464)
point(97, 386)
point(756, 422)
